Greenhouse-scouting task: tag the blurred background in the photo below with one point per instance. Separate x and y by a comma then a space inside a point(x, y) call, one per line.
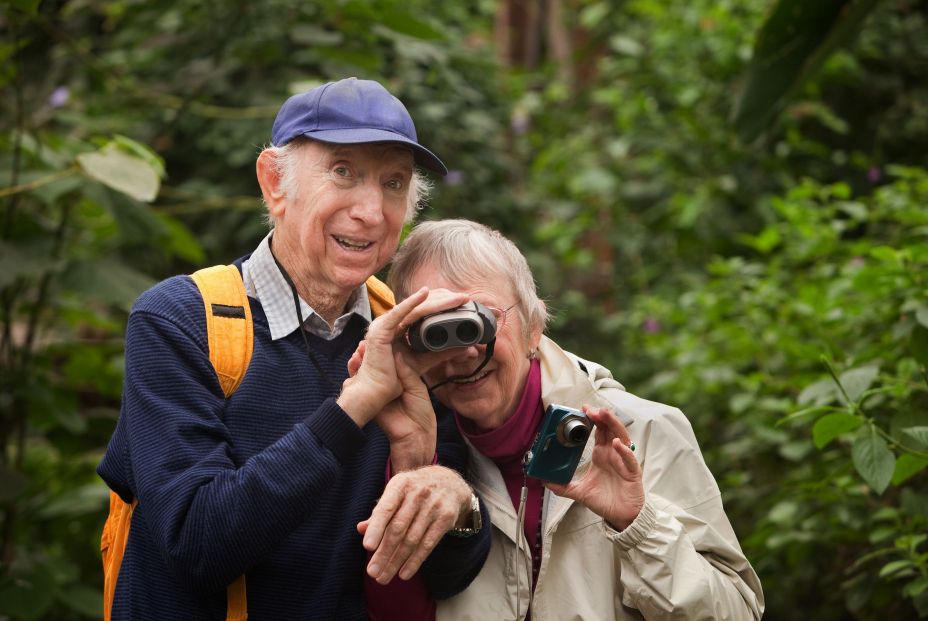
point(724, 201)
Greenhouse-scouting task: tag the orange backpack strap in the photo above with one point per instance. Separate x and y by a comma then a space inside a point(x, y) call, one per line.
point(230, 335)
point(229, 327)
point(380, 296)
point(113, 546)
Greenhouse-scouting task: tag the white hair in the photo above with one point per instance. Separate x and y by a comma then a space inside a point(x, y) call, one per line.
point(467, 253)
point(288, 159)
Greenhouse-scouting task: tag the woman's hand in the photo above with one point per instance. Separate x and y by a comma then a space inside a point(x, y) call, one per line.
point(374, 382)
point(612, 487)
point(409, 420)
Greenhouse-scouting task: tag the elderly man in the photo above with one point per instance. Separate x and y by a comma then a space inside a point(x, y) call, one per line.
point(249, 500)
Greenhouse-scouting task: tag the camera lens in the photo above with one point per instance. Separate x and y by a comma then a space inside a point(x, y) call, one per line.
point(575, 432)
point(467, 332)
point(436, 336)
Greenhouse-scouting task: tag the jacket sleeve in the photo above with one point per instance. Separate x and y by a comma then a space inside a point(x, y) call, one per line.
point(680, 558)
point(455, 561)
point(211, 517)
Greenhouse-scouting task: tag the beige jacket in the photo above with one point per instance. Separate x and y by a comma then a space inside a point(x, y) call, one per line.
point(679, 559)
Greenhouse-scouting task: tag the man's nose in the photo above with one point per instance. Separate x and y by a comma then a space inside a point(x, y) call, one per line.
point(368, 202)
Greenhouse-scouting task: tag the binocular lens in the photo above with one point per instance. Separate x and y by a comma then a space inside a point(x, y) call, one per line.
point(467, 332)
point(436, 336)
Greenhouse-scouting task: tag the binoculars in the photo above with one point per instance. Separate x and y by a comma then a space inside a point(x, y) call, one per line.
point(471, 323)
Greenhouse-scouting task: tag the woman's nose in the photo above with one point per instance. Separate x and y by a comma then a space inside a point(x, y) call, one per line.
point(467, 353)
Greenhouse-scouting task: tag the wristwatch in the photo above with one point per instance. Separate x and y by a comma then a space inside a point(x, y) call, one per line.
point(474, 522)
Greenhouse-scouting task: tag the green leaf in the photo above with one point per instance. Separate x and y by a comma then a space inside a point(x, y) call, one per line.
point(873, 461)
point(109, 280)
point(856, 381)
point(181, 242)
point(765, 241)
point(918, 436)
point(84, 500)
point(407, 24)
point(784, 512)
point(122, 171)
point(17, 262)
point(792, 44)
point(819, 393)
point(26, 6)
point(921, 316)
point(28, 595)
point(918, 344)
point(907, 466)
point(886, 254)
point(140, 151)
point(12, 483)
point(916, 587)
point(85, 600)
point(830, 426)
point(628, 46)
point(894, 567)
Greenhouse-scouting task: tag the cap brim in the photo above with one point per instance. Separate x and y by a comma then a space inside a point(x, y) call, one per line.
point(421, 155)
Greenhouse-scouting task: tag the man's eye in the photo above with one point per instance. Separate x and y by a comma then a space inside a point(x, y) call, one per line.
point(395, 184)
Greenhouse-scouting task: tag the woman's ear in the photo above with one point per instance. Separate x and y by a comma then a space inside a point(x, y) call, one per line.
point(537, 326)
point(269, 180)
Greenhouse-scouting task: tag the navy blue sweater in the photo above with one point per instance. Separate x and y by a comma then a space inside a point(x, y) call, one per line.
point(269, 483)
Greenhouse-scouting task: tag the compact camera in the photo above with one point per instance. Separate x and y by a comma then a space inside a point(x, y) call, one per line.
point(556, 452)
point(469, 324)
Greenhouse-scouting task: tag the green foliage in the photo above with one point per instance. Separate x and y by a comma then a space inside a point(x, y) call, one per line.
point(775, 292)
point(799, 359)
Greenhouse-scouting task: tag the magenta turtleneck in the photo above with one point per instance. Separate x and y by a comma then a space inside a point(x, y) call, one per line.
point(506, 445)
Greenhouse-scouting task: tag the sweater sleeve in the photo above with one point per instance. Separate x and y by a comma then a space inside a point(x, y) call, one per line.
point(211, 518)
point(683, 562)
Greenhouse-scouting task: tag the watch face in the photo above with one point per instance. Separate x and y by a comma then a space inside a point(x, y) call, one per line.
point(476, 519)
point(475, 522)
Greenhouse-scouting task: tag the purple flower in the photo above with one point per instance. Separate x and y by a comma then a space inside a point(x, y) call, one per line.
point(454, 177)
point(59, 97)
point(652, 325)
point(519, 123)
point(874, 174)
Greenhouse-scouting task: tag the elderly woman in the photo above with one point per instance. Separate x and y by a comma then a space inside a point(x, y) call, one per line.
point(639, 532)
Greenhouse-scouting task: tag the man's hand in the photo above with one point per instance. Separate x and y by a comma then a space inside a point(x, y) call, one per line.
point(612, 487)
point(416, 510)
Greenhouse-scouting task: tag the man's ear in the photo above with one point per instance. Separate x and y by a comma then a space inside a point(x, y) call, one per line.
point(269, 180)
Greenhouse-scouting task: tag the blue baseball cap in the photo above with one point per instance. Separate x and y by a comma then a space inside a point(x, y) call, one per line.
point(351, 111)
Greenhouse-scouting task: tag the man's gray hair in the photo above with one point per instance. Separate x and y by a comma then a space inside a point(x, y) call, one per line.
point(468, 253)
point(288, 159)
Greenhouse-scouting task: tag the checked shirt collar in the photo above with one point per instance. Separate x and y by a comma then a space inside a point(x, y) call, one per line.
point(264, 282)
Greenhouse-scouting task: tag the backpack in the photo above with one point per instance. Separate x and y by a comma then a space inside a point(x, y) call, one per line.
point(230, 338)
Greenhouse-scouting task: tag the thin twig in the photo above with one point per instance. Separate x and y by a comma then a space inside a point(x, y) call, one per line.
point(12, 190)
